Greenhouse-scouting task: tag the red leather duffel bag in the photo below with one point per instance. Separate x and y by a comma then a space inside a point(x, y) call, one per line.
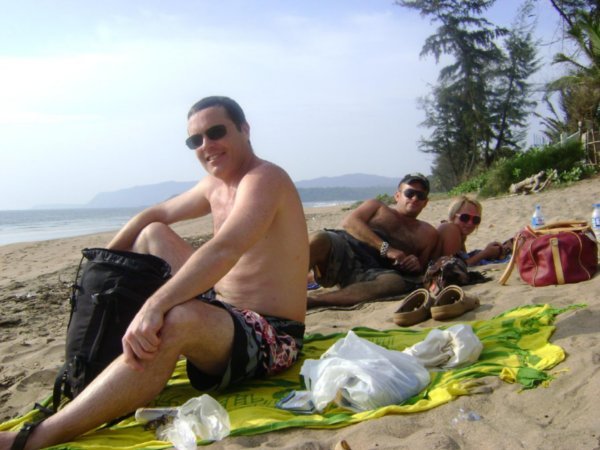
point(557, 253)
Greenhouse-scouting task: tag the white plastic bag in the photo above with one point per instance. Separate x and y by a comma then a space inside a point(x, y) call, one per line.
point(200, 417)
point(456, 346)
point(360, 375)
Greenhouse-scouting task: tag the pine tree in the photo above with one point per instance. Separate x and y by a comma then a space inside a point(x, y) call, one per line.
point(477, 111)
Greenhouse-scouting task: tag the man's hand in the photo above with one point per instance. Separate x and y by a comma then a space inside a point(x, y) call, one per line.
point(141, 340)
point(404, 262)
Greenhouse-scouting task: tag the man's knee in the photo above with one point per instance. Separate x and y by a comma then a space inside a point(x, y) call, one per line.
point(390, 284)
point(152, 233)
point(320, 247)
point(194, 323)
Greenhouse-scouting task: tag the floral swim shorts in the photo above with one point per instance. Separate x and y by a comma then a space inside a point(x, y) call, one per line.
point(262, 345)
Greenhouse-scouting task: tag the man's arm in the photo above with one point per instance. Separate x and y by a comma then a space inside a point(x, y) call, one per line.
point(357, 223)
point(491, 251)
point(254, 209)
point(190, 204)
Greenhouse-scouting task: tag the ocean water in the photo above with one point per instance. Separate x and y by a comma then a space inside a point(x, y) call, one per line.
point(43, 224)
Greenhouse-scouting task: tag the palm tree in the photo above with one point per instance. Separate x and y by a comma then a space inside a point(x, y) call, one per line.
point(579, 89)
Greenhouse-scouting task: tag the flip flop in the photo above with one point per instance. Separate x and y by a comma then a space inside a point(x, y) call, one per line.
point(453, 302)
point(312, 286)
point(414, 308)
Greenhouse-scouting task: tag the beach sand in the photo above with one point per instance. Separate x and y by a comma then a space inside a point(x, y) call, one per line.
point(34, 291)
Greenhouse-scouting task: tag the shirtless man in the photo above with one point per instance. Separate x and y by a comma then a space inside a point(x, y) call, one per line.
point(258, 223)
point(380, 250)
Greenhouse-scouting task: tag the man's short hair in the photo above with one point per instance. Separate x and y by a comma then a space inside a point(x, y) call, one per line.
point(418, 177)
point(233, 110)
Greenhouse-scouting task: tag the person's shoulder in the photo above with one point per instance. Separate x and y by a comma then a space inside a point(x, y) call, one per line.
point(268, 169)
point(265, 175)
point(445, 225)
point(449, 229)
point(426, 226)
point(374, 200)
point(372, 205)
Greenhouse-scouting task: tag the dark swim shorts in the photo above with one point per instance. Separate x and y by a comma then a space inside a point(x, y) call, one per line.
point(262, 345)
point(351, 261)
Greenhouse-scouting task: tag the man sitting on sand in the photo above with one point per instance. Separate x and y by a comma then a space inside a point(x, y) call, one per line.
point(258, 222)
point(380, 252)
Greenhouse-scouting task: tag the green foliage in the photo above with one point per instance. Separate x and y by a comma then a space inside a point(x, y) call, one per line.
point(477, 112)
point(563, 162)
point(578, 91)
point(473, 185)
point(565, 158)
point(386, 198)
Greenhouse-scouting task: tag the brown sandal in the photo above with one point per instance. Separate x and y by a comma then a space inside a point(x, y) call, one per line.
point(414, 308)
point(453, 302)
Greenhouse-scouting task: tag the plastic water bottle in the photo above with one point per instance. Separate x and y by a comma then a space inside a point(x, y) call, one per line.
point(596, 221)
point(537, 220)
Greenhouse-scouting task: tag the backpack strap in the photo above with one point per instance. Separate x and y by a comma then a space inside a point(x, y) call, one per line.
point(59, 384)
point(23, 434)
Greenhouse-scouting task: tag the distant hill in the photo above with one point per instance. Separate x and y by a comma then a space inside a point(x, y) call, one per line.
point(353, 180)
point(342, 188)
point(140, 195)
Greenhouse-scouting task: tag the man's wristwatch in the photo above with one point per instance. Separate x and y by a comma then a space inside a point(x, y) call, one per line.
point(385, 246)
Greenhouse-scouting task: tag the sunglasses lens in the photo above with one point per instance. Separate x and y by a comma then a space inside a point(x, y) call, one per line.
point(217, 132)
point(410, 193)
point(213, 133)
point(466, 217)
point(195, 141)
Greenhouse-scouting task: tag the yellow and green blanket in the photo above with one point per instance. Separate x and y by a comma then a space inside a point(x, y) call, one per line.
point(516, 349)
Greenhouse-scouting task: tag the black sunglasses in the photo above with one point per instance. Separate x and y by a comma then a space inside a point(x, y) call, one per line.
point(464, 217)
point(213, 133)
point(410, 193)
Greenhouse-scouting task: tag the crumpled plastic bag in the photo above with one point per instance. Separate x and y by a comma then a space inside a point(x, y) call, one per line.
point(456, 346)
point(200, 417)
point(360, 375)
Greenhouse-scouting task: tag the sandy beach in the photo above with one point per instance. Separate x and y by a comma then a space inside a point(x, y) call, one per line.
point(35, 285)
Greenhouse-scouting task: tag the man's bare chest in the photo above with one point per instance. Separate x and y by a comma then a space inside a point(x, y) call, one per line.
point(401, 234)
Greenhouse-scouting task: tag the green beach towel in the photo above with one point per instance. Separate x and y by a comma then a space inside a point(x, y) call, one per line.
point(516, 349)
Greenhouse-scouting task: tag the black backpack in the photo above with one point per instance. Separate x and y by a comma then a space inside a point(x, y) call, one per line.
point(112, 288)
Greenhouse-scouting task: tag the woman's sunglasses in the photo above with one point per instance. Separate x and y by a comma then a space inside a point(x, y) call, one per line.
point(464, 217)
point(213, 133)
point(410, 193)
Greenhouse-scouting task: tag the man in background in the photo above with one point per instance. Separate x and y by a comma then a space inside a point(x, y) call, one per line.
point(381, 250)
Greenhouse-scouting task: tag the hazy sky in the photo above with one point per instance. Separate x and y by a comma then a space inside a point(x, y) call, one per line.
point(94, 95)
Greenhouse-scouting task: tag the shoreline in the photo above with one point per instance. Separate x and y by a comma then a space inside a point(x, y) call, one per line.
point(29, 227)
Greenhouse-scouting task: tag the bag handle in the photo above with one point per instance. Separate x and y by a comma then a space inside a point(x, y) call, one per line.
point(555, 227)
point(513, 259)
